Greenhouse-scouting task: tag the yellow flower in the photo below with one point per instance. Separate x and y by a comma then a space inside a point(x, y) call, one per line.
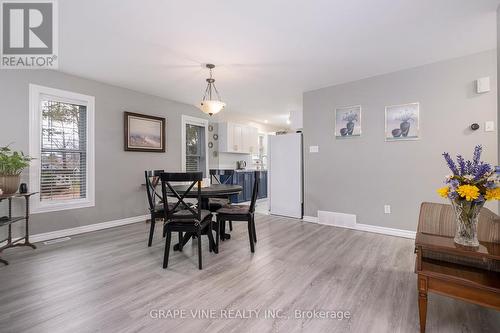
point(443, 191)
point(493, 194)
point(469, 192)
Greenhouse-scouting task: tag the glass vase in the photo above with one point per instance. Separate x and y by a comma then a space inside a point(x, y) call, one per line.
point(467, 217)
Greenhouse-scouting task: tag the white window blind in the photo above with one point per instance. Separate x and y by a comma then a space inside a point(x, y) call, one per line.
point(63, 174)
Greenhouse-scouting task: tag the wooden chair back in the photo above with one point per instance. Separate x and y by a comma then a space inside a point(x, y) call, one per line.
point(181, 210)
point(439, 219)
point(152, 181)
point(215, 176)
point(255, 191)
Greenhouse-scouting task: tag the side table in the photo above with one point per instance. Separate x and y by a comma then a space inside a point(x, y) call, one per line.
point(9, 220)
point(472, 284)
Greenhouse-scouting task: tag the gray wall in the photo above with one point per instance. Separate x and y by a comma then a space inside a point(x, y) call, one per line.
point(358, 176)
point(119, 174)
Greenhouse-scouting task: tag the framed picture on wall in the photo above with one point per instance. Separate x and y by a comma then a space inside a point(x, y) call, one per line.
point(144, 133)
point(402, 122)
point(348, 121)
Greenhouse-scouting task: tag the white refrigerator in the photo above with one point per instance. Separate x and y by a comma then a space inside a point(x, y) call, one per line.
point(285, 166)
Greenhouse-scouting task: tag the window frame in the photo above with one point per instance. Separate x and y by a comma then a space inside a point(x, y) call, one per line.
point(188, 120)
point(35, 129)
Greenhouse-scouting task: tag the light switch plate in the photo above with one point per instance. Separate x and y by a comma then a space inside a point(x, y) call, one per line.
point(313, 149)
point(489, 126)
point(483, 85)
point(387, 209)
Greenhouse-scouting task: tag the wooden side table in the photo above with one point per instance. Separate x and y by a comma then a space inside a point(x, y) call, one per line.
point(23, 241)
point(460, 281)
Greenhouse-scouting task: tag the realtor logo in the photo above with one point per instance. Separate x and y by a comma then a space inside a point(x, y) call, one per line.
point(29, 34)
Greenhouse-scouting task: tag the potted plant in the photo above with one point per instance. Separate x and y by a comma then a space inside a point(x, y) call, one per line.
point(470, 185)
point(12, 164)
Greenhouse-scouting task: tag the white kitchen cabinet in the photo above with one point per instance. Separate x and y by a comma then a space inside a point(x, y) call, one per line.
point(250, 139)
point(237, 138)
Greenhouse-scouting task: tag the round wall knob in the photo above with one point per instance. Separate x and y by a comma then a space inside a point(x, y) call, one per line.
point(474, 126)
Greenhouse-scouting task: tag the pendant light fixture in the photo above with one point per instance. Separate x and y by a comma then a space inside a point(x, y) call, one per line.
point(211, 103)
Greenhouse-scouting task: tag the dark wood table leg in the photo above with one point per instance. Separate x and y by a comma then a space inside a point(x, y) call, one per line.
point(185, 239)
point(222, 230)
point(422, 301)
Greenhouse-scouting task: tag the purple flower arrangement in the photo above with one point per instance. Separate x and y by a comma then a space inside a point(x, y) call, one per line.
point(469, 186)
point(474, 180)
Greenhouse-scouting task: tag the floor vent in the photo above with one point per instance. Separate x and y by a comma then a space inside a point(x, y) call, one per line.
point(57, 240)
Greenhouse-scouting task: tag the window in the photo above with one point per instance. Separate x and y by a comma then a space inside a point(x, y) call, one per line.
point(194, 142)
point(62, 143)
point(195, 148)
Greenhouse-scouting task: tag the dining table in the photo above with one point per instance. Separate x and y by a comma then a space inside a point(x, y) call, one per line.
point(212, 191)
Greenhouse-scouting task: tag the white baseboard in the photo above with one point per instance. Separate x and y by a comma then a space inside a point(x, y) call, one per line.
point(312, 219)
point(386, 231)
point(360, 227)
point(86, 228)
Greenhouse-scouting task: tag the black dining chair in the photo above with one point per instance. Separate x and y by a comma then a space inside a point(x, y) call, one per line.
point(155, 199)
point(191, 219)
point(241, 213)
point(220, 176)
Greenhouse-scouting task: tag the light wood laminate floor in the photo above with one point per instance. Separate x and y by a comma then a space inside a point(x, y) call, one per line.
point(110, 281)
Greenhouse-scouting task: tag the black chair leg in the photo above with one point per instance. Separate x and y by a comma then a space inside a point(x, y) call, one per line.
point(222, 229)
point(230, 225)
point(167, 249)
point(199, 251)
point(253, 229)
point(180, 241)
point(151, 231)
point(217, 235)
point(209, 232)
point(250, 235)
point(211, 245)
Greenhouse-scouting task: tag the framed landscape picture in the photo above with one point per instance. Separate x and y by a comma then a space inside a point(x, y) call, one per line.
point(402, 122)
point(348, 121)
point(144, 133)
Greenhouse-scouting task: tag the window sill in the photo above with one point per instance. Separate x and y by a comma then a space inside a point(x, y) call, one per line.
point(55, 207)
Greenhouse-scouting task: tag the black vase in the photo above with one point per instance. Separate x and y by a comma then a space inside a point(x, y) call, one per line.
point(405, 128)
point(23, 188)
point(343, 131)
point(396, 132)
point(350, 127)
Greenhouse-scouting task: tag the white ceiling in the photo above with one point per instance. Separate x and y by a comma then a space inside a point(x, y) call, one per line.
point(267, 52)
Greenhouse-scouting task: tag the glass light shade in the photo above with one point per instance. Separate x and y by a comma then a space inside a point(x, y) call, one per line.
point(211, 107)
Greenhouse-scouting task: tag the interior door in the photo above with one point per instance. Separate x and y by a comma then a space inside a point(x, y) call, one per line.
point(285, 175)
